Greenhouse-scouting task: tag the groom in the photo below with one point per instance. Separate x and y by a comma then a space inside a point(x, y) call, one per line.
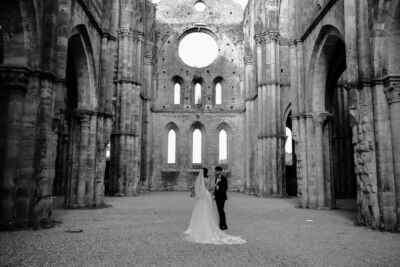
point(221, 186)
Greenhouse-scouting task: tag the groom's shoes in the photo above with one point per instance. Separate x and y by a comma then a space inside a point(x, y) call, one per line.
point(224, 228)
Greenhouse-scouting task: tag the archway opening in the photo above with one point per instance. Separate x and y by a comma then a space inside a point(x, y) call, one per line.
point(69, 180)
point(67, 132)
point(290, 164)
point(339, 130)
point(334, 161)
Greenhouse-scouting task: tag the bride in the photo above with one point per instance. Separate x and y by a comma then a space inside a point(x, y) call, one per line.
point(203, 226)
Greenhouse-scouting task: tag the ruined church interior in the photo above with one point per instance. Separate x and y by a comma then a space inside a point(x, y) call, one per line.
point(101, 99)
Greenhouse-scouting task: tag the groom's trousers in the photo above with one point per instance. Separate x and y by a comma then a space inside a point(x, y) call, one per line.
point(220, 206)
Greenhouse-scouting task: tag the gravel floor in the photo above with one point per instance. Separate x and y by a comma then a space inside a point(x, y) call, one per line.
point(147, 231)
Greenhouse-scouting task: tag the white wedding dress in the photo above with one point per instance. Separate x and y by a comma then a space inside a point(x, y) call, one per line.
point(203, 226)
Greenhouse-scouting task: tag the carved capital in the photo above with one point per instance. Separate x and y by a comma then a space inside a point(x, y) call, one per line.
point(267, 37)
point(139, 36)
point(148, 59)
point(393, 93)
point(124, 33)
point(259, 38)
point(155, 75)
point(350, 86)
point(308, 115)
point(131, 34)
point(248, 60)
point(319, 118)
point(84, 116)
point(274, 36)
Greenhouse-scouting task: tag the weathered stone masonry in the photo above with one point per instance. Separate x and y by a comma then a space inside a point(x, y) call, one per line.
point(79, 76)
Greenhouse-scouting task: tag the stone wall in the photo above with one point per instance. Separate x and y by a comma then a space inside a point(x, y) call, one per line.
point(174, 19)
point(36, 36)
point(79, 75)
point(335, 38)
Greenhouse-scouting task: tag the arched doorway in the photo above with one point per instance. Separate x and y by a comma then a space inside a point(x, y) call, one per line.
point(344, 177)
point(334, 172)
point(75, 171)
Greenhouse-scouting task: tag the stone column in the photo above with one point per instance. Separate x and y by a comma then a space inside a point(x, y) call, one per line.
point(260, 117)
point(16, 86)
point(319, 120)
point(146, 129)
point(310, 152)
point(300, 77)
point(62, 160)
point(393, 98)
point(301, 164)
point(248, 122)
point(126, 156)
point(277, 151)
point(46, 144)
point(85, 119)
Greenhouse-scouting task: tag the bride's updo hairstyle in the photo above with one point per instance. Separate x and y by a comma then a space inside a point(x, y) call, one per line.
point(205, 172)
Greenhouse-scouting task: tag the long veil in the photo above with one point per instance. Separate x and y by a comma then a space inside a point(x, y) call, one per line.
point(203, 227)
point(199, 186)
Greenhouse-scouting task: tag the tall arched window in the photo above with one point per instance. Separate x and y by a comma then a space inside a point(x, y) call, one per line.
point(197, 146)
point(288, 147)
point(223, 147)
point(171, 146)
point(177, 94)
point(197, 93)
point(218, 94)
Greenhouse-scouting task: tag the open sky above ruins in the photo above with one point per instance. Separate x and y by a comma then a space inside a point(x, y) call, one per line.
point(241, 2)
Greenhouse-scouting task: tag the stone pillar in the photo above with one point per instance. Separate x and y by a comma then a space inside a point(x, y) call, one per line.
point(259, 172)
point(16, 86)
point(293, 79)
point(393, 98)
point(301, 164)
point(310, 152)
point(249, 98)
point(278, 124)
point(62, 160)
point(146, 128)
point(126, 155)
point(85, 119)
point(319, 120)
point(300, 77)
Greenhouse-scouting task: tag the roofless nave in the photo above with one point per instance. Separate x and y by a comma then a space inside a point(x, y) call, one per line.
point(81, 76)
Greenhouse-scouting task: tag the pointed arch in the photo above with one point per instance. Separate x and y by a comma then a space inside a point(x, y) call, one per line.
point(197, 133)
point(178, 85)
point(80, 55)
point(171, 137)
point(197, 95)
point(217, 92)
point(329, 44)
point(224, 141)
point(171, 146)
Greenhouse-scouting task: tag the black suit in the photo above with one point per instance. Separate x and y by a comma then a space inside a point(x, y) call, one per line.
point(220, 197)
